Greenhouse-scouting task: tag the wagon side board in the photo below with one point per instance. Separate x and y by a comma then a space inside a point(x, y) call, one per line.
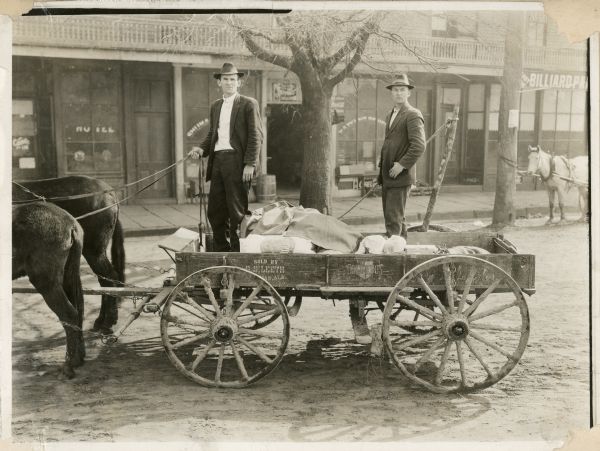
point(314, 272)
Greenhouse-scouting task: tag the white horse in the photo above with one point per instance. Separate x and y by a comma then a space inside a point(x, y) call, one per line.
point(558, 175)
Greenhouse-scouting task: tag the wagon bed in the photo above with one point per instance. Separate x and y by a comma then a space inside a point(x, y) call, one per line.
point(370, 275)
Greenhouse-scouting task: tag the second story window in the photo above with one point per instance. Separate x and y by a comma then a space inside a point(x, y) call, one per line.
point(536, 29)
point(439, 26)
point(453, 26)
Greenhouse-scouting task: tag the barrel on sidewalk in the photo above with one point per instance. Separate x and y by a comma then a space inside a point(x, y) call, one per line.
point(266, 188)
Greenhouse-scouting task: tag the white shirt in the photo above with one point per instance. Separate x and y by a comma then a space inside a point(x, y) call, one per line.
point(224, 124)
point(394, 114)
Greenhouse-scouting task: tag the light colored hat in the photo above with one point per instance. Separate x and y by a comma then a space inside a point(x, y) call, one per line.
point(400, 80)
point(228, 69)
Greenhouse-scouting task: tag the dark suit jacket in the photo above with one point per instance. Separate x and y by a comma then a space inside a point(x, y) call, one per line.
point(404, 143)
point(245, 131)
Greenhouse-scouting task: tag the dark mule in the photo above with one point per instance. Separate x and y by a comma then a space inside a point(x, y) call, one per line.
point(46, 246)
point(98, 229)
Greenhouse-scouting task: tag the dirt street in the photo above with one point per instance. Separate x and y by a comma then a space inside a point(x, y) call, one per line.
point(327, 388)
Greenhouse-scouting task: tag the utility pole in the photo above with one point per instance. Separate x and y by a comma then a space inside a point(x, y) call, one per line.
point(514, 45)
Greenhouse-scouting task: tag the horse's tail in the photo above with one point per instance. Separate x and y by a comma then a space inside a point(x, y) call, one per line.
point(117, 251)
point(72, 278)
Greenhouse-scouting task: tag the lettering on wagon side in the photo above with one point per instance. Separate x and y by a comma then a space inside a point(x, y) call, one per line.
point(365, 269)
point(270, 269)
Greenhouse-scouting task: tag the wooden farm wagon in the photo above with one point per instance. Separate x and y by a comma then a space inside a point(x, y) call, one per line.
point(451, 323)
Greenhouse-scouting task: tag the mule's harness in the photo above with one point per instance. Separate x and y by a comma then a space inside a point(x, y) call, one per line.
point(38, 198)
point(553, 172)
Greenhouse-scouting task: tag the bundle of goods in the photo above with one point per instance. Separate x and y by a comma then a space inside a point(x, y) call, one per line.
point(282, 228)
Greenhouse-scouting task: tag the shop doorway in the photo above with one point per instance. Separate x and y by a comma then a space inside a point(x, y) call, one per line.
point(285, 145)
point(148, 121)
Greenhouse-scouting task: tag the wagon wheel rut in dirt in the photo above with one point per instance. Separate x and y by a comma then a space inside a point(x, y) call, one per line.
point(224, 326)
point(469, 335)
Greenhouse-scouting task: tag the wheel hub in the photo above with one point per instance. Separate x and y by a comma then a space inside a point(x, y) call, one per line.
point(456, 328)
point(224, 330)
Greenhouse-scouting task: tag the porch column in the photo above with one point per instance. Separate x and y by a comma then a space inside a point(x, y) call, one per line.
point(178, 116)
point(263, 107)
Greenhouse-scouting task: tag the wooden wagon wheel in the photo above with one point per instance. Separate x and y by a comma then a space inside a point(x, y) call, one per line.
point(476, 337)
point(214, 346)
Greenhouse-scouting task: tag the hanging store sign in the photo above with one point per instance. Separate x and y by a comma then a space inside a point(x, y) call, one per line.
point(549, 80)
point(285, 91)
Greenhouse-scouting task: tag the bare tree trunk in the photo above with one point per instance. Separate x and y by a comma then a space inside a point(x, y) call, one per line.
point(315, 190)
point(504, 209)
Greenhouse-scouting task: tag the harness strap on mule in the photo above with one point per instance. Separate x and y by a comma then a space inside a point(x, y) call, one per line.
point(38, 198)
point(95, 193)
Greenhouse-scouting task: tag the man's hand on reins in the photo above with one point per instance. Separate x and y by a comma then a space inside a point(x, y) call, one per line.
point(196, 152)
point(248, 173)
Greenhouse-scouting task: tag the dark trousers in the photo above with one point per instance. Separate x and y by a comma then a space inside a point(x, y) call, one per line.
point(394, 203)
point(227, 200)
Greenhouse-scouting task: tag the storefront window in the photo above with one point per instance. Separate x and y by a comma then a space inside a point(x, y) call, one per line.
point(23, 131)
point(564, 121)
point(91, 118)
point(527, 116)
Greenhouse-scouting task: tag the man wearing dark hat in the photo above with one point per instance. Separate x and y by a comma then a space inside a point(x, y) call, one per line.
point(232, 145)
point(403, 145)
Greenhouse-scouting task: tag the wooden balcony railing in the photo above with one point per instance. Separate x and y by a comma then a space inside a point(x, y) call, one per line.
point(152, 35)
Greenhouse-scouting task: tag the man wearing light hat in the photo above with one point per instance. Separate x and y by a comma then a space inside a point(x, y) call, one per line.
point(403, 145)
point(232, 145)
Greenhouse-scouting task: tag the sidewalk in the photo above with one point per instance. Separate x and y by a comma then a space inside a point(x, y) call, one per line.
point(141, 220)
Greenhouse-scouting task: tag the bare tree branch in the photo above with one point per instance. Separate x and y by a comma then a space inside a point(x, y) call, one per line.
point(351, 64)
point(358, 36)
point(425, 60)
point(256, 49)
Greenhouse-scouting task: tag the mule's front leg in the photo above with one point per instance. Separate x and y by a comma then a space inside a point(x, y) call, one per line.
point(550, 208)
point(561, 203)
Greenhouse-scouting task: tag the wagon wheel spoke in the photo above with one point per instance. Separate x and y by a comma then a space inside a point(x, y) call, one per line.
point(427, 313)
point(493, 327)
point(449, 289)
point(248, 300)
point(247, 319)
point(467, 289)
point(479, 358)
point(492, 311)
point(229, 294)
point(405, 324)
point(429, 353)
point(239, 361)
point(206, 315)
point(220, 364)
point(211, 296)
point(184, 322)
point(461, 364)
point(202, 355)
point(417, 340)
point(228, 350)
point(494, 346)
point(255, 350)
point(482, 298)
point(191, 340)
point(432, 295)
point(442, 367)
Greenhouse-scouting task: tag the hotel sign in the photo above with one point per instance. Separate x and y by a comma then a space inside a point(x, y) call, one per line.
point(549, 80)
